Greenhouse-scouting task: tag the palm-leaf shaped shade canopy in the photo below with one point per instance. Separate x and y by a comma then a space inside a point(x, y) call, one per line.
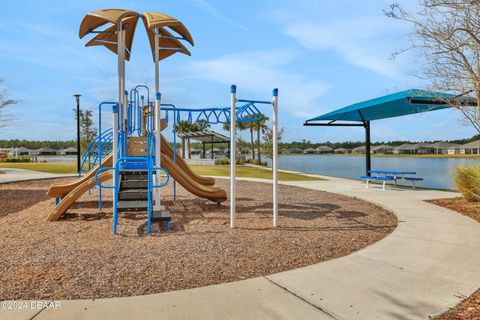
point(108, 37)
point(169, 44)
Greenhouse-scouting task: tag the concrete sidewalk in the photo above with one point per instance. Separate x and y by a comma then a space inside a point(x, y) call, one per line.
point(424, 267)
point(14, 175)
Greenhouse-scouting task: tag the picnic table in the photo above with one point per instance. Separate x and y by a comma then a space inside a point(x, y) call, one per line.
point(390, 175)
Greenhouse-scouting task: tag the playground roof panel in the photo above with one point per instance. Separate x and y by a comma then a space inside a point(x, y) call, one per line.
point(205, 136)
point(109, 39)
point(98, 18)
point(169, 44)
point(394, 105)
point(160, 20)
point(167, 40)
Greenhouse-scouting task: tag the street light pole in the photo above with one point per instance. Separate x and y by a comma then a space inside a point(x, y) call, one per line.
point(77, 97)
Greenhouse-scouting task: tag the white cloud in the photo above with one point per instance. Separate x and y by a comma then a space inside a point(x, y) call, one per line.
point(357, 31)
point(364, 42)
point(258, 73)
point(210, 9)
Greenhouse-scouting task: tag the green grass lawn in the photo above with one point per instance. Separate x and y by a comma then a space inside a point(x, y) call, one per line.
point(248, 172)
point(51, 167)
point(220, 170)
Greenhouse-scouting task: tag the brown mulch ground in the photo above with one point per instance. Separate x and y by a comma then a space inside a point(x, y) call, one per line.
point(78, 257)
point(470, 307)
point(469, 209)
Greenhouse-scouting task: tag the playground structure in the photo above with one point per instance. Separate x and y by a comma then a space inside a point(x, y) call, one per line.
point(133, 153)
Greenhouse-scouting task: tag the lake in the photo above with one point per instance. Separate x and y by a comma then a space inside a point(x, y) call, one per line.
point(436, 172)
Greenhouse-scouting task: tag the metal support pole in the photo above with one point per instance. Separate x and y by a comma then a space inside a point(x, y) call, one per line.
point(157, 120)
point(368, 156)
point(275, 156)
point(212, 147)
point(174, 153)
point(232, 153)
point(115, 124)
point(77, 97)
point(124, 97)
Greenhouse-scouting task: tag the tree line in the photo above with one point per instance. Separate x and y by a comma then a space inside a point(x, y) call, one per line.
point(37, 144)
point(304, 144)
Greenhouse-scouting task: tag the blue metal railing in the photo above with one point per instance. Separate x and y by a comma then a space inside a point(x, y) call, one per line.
point(244, 113)
point(93, 154)
point(248, 112)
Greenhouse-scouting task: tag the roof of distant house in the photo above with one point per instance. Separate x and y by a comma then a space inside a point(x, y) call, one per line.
point(360, 148)
point(474, 144)
point(383, 146)
point(443, 145)
point(46, 150)
point(324, 148)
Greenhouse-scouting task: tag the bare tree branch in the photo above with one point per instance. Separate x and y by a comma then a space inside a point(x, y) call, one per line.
point(447, 33)
point(5, 101)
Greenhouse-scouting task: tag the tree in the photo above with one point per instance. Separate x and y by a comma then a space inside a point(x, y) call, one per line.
point(239, 126)
point(201, 125)
point(187, 127)
point(447, 33)
point(183, 127)
point(88, 131)
point(268, 139)
point(251, 127)
point(5, 101)
point(260, 127)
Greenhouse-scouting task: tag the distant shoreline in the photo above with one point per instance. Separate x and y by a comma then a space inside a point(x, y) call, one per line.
point(464, 156)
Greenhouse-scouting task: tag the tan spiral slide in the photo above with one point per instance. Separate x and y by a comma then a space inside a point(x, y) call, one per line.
point(200, 186)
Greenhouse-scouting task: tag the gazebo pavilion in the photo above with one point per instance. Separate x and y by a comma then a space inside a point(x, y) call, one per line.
point(206, 137)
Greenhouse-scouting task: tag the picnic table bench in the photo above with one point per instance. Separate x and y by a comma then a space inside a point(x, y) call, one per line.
point(390, 175)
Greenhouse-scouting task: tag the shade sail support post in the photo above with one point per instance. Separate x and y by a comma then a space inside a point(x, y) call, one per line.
point(368, 154)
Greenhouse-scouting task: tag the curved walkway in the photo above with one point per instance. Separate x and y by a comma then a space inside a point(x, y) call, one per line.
point(421, 269)
point(15, 175)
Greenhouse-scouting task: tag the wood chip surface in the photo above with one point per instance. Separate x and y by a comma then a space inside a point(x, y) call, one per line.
point(78, 257)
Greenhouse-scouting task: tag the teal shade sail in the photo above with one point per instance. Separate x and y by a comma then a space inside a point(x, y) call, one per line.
point(394, 105)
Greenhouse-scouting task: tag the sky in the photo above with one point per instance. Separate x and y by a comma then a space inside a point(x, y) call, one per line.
point(322, 55)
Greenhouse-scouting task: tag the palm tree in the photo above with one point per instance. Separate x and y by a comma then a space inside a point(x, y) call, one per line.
point(260, 126)
point(251, 127)
point(183, 127)
point(201, 125)
point(239, 126)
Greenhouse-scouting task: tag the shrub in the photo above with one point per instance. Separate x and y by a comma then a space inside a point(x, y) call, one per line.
point(224, 161)
point(240, 161)
point(252, 161)
point(467, 181)
point(21, 159)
